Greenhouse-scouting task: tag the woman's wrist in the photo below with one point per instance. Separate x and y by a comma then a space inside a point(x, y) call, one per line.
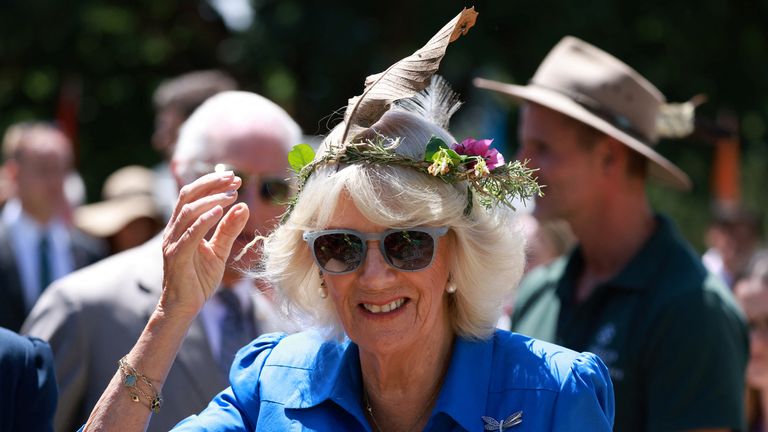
point(158, 344)
point(175, 311)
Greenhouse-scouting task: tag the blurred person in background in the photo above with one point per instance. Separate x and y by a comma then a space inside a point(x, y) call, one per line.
point(545, 241)
point(93, 317)
point(128, 215)
point(37, 242)
point(27, 384)
point(5, 187)
point(752, 293)
point(632, 291)
point(733, 238)
point(175, 99)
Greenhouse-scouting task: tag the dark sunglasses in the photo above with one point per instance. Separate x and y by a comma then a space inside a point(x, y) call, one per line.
point(341, 251)
point(271, 189)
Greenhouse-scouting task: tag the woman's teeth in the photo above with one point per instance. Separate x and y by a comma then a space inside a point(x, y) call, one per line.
point(389, 307)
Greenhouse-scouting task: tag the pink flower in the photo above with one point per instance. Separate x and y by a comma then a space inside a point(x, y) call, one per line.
point(482, 148)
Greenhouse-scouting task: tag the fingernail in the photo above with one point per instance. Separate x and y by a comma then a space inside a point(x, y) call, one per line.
point(227, 174)
point(230, 193)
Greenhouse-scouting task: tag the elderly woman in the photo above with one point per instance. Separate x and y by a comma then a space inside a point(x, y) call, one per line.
point(395, 252)
point(401, 270)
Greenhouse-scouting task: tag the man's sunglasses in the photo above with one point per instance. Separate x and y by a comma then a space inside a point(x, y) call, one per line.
point(341, 251)
point(271, 189)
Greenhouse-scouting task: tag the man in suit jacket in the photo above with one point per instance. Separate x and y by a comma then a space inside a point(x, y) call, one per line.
point(27, 384)
point(94, 316)
point(37, 242)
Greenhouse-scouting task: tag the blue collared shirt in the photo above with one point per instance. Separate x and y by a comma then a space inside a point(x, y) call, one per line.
point(303, 382)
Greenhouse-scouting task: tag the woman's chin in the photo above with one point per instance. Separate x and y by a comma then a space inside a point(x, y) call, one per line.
point(383, 332)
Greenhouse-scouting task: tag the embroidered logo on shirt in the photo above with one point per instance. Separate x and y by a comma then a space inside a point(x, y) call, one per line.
point(491, 424)
point(605, 334)
point(604, 337)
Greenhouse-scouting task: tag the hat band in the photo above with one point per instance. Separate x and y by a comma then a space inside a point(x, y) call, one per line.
point(593, 106)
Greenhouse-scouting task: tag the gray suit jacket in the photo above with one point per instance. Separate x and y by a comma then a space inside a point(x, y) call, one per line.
point(85, 250)
point(94, 316)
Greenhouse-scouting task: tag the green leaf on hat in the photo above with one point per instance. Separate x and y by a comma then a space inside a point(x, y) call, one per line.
point(300, 156)
point(433, 146)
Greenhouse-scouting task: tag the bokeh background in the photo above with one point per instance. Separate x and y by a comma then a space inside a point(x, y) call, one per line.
point(93, 65)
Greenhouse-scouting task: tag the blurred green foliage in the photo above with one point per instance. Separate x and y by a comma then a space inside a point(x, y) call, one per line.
point(310, 56)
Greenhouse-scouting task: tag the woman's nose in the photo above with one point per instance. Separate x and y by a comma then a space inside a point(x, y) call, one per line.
point(375, 271)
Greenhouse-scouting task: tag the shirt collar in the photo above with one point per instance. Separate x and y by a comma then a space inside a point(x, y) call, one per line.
point(11, 211)
point(15, 217)
point(639, 272)
point(464, 393)
point(311, 379)
point(347, 386)
point(340, 381)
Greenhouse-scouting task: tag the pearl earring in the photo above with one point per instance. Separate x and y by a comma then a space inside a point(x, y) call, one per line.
point(450, 288)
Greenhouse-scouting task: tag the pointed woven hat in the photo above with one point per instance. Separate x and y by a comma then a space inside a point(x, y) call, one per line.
point(586, 83)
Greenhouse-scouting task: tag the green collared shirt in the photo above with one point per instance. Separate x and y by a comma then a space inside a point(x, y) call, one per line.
point(670, 333)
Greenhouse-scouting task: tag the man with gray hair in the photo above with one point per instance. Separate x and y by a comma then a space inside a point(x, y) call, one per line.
point(175, 99)
point(92, 317)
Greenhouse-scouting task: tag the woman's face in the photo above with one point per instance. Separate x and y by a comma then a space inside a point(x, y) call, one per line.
point(419, 311)
point(754, 301)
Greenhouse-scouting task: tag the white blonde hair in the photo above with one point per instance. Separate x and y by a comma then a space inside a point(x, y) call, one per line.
point(485, 262)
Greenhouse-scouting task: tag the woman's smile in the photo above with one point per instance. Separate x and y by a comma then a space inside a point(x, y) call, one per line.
point(385, 308)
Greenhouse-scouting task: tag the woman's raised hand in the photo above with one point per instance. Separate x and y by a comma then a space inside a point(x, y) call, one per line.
point(193, 265)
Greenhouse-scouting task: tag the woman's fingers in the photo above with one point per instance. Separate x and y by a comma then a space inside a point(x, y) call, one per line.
point(228, 230)
point(205, 185)
point(188, 241)
point(191, 212)
point(199, 208)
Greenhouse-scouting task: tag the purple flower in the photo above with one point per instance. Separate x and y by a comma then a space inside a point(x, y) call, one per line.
point(482, 148)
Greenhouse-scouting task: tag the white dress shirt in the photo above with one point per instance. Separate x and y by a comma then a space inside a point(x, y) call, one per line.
point(214, 311)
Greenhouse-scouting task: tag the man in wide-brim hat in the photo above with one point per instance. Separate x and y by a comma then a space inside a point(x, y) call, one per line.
point(632, 291)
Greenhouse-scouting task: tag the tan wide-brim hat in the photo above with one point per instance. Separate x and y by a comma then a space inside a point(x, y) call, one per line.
point(127, 197)
point(585, 83)
point(104, 219)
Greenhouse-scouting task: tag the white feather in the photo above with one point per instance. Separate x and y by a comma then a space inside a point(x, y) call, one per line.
point(436, 103)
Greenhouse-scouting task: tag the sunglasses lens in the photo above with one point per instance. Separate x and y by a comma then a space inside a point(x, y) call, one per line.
point(274, 190)
point(409, 250)
point(338, 253)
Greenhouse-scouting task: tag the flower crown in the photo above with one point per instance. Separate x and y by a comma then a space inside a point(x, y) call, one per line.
point(494, 181)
